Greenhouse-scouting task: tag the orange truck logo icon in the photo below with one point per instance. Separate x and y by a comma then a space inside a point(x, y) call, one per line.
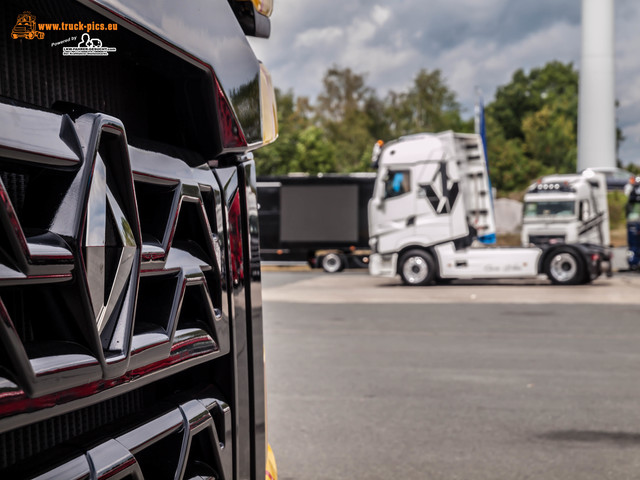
point(25, 27)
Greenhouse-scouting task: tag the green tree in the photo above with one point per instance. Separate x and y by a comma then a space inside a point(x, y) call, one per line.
point(428, 106)
point(631, 167)
point(378, 124)
point(343, 110)
point(301, 146)
point(510, 169)
point(345, 93)
point(550, 139)
point(555, 84)
point(314, 154)
point(533, 126)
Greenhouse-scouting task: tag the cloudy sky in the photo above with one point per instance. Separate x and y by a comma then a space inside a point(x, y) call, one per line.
point(473, 42)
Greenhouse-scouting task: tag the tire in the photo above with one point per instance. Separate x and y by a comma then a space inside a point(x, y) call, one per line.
point(417, 267)
point(332, 263)
point(564, 267)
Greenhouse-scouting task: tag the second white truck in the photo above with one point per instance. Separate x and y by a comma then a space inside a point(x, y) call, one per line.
point(431, 201)
point(569, 208)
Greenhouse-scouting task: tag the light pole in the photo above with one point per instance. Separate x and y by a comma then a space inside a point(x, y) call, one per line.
point(596, 106)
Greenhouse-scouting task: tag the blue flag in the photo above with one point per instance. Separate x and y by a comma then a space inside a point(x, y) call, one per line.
point(480, 129)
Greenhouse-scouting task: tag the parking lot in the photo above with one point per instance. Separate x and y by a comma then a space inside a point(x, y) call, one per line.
point(301, 285)
point(370, 379)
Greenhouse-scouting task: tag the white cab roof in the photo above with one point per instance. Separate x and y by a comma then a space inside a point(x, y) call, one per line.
point(413, 149)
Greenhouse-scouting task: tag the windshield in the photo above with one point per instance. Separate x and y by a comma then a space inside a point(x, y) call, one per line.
point(544, 209)
point(633, 212)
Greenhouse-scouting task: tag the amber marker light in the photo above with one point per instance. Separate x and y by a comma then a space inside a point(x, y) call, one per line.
point(263, 7)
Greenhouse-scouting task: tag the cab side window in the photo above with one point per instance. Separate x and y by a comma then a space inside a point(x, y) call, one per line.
point(585, 210)
point(397, 183)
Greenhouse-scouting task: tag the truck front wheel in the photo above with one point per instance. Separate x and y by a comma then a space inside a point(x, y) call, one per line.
point(563, 267)
point(417, 268)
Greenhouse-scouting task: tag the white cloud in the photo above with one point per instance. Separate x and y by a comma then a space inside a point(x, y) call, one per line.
point(361, 31)
point(318, 36)
point(380, 14)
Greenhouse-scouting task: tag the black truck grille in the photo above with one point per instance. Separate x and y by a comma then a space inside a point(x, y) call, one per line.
point(23, 443)
point(112, 276)
point(129, 436)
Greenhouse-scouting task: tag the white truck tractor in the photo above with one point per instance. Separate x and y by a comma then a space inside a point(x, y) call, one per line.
point(568, 208)
point(432, 199)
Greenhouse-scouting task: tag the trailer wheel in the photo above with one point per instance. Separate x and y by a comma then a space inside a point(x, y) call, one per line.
point(332, 263)
point(417, 267)
point(563, 267)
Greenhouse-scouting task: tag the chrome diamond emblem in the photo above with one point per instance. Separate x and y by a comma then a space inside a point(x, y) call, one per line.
point(110, 248)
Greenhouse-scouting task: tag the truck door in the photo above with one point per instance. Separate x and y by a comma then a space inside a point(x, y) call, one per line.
point(591, 222)
point(391, 215)
point(440, 213)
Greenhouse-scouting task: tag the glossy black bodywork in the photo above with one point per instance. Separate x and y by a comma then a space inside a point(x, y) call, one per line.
point(130, 311)
point(208, 33)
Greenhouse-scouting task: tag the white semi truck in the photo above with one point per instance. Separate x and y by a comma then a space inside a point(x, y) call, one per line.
point(432, 199)
point(569, 208)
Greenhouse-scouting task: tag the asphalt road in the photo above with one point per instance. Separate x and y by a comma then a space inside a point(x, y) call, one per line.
point(514, 380)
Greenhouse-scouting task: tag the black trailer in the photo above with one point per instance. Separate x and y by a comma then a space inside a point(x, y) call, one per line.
point(319, 219)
